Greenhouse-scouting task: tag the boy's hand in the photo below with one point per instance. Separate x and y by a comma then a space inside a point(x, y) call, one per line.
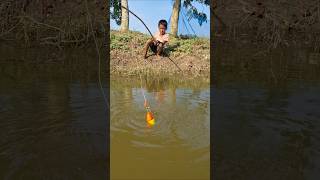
point(157, 43)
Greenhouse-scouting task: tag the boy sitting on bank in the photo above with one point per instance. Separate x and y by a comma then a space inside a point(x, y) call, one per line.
point(160, 39)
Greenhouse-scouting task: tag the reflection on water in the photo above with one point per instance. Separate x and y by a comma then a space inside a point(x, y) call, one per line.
point(176, 147)
point(52, 119)
point(266, 126)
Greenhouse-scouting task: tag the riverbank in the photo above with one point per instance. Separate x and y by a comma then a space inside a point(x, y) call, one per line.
point(188, 57)
point(53, 23)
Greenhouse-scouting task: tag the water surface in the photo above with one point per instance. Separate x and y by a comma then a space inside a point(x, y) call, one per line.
point(52, 115)
point(176, 147)
point(266, 118)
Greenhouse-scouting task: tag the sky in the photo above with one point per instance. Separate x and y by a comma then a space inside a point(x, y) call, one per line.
point(151, 11)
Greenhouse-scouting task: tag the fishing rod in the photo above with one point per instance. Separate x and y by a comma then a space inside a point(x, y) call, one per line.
point(149, 116)
point(139, 19)
point(99, 57)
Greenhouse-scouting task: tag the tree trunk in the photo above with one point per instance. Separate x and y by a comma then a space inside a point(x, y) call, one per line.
point(175, 18)
point(124, 17)
point(213, 27)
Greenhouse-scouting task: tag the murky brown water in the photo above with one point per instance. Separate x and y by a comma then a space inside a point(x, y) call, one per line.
point(266, 118)
point(52, 116)
point(176, 147)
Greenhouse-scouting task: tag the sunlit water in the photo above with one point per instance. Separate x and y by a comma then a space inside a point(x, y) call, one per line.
point(176, 147)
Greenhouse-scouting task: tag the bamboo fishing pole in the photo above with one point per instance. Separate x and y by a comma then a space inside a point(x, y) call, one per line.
point(139, 19)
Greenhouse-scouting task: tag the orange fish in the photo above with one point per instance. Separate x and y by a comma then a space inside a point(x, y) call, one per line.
point(149, 118)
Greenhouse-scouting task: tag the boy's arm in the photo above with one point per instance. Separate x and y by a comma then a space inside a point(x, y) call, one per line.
point(155, 36)
point(166, 39)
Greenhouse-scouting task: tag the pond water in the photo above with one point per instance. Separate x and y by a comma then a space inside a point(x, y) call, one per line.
point(52, 115)
point(266, 114)
point(265, 119)
point(177, 146)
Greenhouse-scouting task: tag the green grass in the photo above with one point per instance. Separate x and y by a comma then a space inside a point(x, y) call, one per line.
point(120, 41)
point(188, 46)
point(123, 41)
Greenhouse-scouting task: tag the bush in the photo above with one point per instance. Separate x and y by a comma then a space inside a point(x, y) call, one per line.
point(120, 40)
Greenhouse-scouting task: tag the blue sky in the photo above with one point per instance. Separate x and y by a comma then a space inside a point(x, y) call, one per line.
point(151, 11)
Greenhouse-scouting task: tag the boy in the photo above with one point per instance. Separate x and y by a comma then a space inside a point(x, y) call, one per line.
point(160, 39)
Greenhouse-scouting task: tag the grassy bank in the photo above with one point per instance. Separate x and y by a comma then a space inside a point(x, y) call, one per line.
point(273, 23)
point(190, 57)
point(53, 23)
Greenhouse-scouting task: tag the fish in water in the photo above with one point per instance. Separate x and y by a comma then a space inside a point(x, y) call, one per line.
point(150, 119)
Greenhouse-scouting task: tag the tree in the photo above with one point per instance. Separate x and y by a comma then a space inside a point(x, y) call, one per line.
point(115, 11)
point(120, 15)
point(214, 15)
point(175, 18)
point(124, 16)
point(192, 13)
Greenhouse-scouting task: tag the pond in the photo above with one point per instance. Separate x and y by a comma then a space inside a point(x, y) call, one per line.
point(177, 146)
point(52, 115)
point(266, 118)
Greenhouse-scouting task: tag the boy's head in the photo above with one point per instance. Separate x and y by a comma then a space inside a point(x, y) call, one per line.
point(162, 25)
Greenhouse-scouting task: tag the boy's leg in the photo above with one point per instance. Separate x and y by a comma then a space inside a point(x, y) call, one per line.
point(146, 48)
point(159, 49)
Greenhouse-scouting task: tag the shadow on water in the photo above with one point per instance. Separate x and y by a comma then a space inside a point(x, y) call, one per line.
point(52, 115)
point(266, 113)
point(177, 146)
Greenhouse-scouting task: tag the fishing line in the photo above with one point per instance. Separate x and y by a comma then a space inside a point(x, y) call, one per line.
point(146, 105)
point(185, 16)
point(144, 97)
point(99, 57)
point(149, 116)
point(185, 25)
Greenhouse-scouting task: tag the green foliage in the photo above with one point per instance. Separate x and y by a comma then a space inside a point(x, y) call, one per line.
point(189, 45)
point(115, 10)
point(192, 11)
point(120, 40)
